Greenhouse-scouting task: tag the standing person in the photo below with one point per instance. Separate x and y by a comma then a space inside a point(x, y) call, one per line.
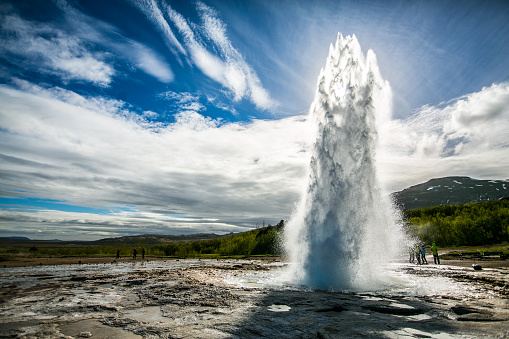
point(412, 255)
point(143, 253)
point(423, 255)
point(118, 254)
point(418, 254)
point(134, 253)
point(434, 250)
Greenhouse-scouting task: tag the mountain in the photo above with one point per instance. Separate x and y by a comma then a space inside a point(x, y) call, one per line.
point(14, 239)
point(451, 191)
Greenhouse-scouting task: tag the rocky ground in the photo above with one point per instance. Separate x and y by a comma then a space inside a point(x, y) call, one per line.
point(242, 299)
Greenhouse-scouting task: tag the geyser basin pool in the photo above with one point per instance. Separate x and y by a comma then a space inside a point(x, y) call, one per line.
point(344, 226)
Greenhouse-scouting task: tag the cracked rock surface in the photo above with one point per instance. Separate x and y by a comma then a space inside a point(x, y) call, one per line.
point(242, 299)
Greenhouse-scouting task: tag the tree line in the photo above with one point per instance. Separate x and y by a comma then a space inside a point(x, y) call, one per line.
point(484, 223)
point(260, 241)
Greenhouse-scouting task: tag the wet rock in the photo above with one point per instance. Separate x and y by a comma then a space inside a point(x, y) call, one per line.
point(394, 310)
point(335, 308)
point(461, 310)
point(84, 334)
point(79, 278)
point(330, 333)
point(480, 317)
point(135, 282)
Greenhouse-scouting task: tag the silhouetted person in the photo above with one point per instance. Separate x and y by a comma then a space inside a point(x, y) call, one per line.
point(134, 253)
point(418, 254)
point(434, 250)
point(118, 254)
point(423, 255)
point(142, 253)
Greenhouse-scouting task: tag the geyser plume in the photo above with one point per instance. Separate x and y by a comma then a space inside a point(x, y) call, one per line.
point(344, 227)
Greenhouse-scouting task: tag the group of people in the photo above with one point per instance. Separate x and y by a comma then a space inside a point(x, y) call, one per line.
point(135, 253)
point(419, 253)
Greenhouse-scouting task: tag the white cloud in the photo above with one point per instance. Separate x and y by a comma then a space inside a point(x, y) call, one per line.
point(50, 224)
point(228, 68)
point(190, 120)
point(221, 105)
point(466, 136)
point(239, 75)
point(97, 32)
point(84, 52)
point(180, 97)
point(57, 144)
point(91, 152)
point(54, 50)
point(184, 101)
point(150, 9)
point(150, 62)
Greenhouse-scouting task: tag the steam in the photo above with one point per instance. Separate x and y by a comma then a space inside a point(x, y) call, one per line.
point(344, 227)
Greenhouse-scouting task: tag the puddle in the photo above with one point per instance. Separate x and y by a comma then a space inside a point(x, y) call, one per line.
point(399, 305)
point(97, 329)
point(418, 317)
point(147, 314)
point(414, 333)
point(279, 308)
point(105, 286)
point(16, 325)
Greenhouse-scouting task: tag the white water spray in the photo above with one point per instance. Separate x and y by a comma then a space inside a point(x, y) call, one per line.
point(344, 227)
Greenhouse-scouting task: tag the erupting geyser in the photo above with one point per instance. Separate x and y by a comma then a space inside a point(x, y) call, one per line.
point(344, 227)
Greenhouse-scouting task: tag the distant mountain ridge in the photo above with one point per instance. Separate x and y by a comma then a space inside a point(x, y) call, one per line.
point(451, 191)
point(156, 239)
point(132, 240)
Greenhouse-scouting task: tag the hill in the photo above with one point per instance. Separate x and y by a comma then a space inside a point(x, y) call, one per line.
point(154, 239)
point(451, 191)
point(260, 241)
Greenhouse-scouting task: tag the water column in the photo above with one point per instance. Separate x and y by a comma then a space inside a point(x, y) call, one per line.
point(344, 228)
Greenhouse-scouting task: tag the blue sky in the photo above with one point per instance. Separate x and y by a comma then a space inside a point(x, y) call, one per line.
point(132, 117)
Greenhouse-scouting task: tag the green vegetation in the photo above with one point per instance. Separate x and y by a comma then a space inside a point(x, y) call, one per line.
point(262, 241)
point(472, 224)
point(53, 249)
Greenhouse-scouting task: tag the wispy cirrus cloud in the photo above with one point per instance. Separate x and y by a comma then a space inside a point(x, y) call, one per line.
point(228, 67)
point(152, 11)
point(98, 32)
point(55, 51)
point(85, 53)
point(147, 60)
point(238, 74)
